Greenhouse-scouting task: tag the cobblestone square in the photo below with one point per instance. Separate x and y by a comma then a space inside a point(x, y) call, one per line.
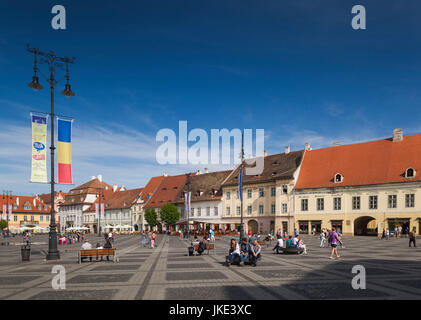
point(167, 272)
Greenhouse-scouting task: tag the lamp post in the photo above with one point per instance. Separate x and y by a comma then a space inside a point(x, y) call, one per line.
point(188, 207)
point(52, 61)
point(241, 189)
point(7, 195)
point(99, 195)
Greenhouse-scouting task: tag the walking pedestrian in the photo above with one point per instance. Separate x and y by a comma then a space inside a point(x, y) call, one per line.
point(333, 237)
point(322, 239)
point(412, 238)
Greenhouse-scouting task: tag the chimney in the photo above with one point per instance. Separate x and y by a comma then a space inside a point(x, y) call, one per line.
point(17, 200)
point(93, 178)
point(337, 143)
point(100, 177)
point(308, 147)
point(397, 135)
point(287, 149)
point(265, 153)
point(165, 174)
point(206, 170)
point(34, 202)
point(114, 187)
point(198, 172)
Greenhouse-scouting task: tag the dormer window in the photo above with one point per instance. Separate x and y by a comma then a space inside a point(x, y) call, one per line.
point(338, 178)
point(410, 173)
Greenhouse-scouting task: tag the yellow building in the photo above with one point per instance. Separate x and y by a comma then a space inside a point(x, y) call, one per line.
point(27, 211)
point(268, 200)
point(362, 188)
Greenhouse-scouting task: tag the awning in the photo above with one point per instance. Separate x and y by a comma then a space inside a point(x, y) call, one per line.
point(216, 221)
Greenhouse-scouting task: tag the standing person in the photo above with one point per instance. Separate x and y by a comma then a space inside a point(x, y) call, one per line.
point(295, 233)
point(396, 232)
point(249, 234)
point(153, 240)
point(143, 239)
point(412, 238)
point(322, 239)
point(333, 236)
point(387, 234)
point(383, 235)
point(212, 232)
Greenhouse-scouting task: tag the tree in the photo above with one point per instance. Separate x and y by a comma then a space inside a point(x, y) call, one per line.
point(151, 217)
point(170, 213)
point(3, 224)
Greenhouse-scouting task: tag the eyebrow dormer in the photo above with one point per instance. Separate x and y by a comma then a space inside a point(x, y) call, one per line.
point(410, 173)
point(338, 178)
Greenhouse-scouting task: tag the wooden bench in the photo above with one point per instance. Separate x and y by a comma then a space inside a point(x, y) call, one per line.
point(209, 247)
point(96, 253)
point(291, 250)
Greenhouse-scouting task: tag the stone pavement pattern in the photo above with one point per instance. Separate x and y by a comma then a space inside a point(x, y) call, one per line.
point(393, 272)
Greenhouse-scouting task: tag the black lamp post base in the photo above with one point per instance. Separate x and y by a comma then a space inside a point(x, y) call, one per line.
point(53, 255)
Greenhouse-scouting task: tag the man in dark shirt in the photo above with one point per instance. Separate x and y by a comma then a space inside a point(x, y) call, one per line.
point(412, 239)
point(255, 249)
point(244, 251)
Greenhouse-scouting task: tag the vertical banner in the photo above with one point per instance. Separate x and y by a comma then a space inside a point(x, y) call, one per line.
point(102, 211)
point(3, 216)
point(10, 211)
point(64, 151)
point(189, 202)
point(96, 210)
point(39, 152)
point(240, 184)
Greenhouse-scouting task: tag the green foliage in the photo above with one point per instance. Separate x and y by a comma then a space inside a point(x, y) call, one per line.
point(170, 213)
point(151, 217)
point(3, 224)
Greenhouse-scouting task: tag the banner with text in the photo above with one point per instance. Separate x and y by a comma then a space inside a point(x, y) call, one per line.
point(39, 152)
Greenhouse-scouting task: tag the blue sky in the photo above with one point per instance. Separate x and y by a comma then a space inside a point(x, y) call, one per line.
point(294, 68)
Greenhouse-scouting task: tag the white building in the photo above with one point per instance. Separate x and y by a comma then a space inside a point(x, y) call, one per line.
point(78, 200)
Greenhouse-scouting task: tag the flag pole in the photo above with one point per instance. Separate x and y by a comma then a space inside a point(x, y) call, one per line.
point(241, 188)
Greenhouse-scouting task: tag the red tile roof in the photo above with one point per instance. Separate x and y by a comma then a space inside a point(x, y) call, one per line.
point(205, 186)
point(122, 199)
point(23, 200)
point(151, 187)
point(375, 162)
point(167, 191)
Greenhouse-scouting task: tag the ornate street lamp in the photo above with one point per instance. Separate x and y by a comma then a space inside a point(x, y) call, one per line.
point(52, 61)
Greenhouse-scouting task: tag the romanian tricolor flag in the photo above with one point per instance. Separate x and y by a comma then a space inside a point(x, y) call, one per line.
point(64, 151)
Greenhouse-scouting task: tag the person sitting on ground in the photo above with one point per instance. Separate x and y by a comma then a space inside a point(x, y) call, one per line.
point(303, 246)
point(234, 252)
point(86, 246)
point(255, 249)
point(202, 246)
point(244, 251)
point(295, 241)
point(279, 244)
point(289, 242)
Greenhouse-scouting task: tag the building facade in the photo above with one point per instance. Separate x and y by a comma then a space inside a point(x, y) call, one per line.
point(78, 200)
point(27, 212)
point(361, 189)
point(268, 199)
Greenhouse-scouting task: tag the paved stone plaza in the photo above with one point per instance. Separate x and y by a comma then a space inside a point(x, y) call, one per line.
point(393, 272)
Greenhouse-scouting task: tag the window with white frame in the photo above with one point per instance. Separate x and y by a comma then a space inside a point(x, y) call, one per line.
point(249, 210)
point(261, 209)
point(249, 193)
point(284, 208)
point(261, 192)
point(337, 203)
point(272, 208)
point(410, 200)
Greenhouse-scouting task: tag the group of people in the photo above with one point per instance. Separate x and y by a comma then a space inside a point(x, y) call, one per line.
point(245, 252)
point(397, 234)
point(71, 238)
point(290, 242)
point(107, 245)
point(148, 239)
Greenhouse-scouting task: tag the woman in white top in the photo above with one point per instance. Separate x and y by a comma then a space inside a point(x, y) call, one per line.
point(234, 251)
